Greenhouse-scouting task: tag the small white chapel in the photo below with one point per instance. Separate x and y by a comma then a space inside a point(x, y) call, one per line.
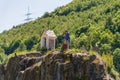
point(48, 39)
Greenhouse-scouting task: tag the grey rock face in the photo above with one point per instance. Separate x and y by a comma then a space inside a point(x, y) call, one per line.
point(54, 66)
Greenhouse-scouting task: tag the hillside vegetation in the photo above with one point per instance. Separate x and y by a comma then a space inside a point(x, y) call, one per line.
point(93, 25)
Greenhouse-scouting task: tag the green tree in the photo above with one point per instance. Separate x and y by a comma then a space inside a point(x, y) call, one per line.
point(12, 47)
point(116, 59)
point(83, 41)
point(105, 48)
point(21, 47)
point(116, 43)
point(46, 14)
point(3, 57)
point(106, 37)
point(31, 42)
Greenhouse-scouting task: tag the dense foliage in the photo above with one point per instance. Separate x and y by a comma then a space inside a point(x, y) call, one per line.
point(93, 25)
point(117, 59)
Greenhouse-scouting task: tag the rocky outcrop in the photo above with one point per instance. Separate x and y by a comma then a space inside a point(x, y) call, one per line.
point(54, 66)
point(2, 74)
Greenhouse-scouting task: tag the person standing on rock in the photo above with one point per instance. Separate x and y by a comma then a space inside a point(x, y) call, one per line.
point(64, 44)
point(67, 39)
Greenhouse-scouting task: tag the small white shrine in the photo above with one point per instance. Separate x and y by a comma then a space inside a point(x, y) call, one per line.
point(48, 39)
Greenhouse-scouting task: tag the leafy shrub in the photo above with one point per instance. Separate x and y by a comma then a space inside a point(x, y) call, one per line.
point(105, 48)
point(116, 59)
point(59, 40)
point(12, 47)
point(83, 40)
point(46, 15)
point(43, 49)
point(3, 57)
point(82, 30)
point(108, 59)
point(31, 42)
point(78, 8)
point(21, 47)
point(116, 43)
point(90, 5)
point(114, 74)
